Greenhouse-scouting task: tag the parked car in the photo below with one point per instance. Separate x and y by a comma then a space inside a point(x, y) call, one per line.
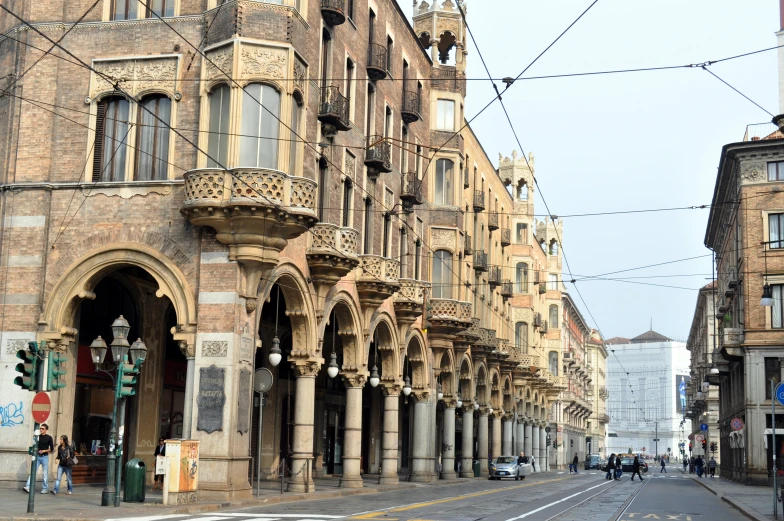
point(593, 461)
point(507, 467)
point(628, 465)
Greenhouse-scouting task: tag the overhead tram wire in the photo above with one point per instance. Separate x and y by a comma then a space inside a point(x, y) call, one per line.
point(736, 90)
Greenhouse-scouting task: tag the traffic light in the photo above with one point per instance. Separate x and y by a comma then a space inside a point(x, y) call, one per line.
point(127, 384)
point(689, 446)
point(704, 446)
point(56, 371)
point(29, 368)
point(713, 446)
point(669, 449)
point(555, 444)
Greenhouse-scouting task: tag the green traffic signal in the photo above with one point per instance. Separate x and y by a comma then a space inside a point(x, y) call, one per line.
point(127, 382)
point(56, 371)
point(28, 369)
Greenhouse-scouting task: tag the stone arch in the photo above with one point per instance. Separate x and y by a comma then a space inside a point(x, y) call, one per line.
point(466, 379)
point(349, 318)
point(383, 331)
point(508, 394)
point(495, 389)
point(528, 403)
point(481, 392)
point(417, 357)
point(299, 308)
point(81, 277)
point(447, 372)
point(536, 406)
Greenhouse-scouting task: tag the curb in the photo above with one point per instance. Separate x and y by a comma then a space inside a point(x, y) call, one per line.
point(734, 504)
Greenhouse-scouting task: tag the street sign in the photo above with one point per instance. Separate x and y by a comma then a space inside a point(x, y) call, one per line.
point(699, 438)
point(703, 426)
point(736, 424)
point(560, 428)
point(262, 380)
point(691, 437)
point(780, 393)
point(547, 429)
point(42, 405)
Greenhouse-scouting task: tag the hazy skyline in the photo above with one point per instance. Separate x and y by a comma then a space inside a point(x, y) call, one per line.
point(620, 142)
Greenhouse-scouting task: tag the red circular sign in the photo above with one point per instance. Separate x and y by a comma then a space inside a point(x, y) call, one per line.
point(42, 405)
point(560, 428)
point(736, 424)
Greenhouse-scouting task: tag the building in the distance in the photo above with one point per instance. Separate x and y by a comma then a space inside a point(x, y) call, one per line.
point(647, 377)
point(596, 367)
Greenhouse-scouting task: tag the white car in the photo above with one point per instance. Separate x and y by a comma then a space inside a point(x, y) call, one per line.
point(507, 467)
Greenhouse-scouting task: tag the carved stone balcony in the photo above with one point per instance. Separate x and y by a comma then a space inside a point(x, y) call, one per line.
point(506, 237)
point(411, 189)
point(412, 105)
point(331, 256)
point(468, 246)
point(334, 109)
point(376, 62)
point(472, 334)
point(480, 261)
point(479, 200)
point(507, 289)
point(378, 156)
point(254, 211)
point(494, 276)
point(492, 221)
point(333, 11)
point(486, 339)
point(409, 301)
point(604, 418)
point(448, 317)
point(378, 280)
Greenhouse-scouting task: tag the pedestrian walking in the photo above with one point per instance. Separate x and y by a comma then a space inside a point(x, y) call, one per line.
point(636, 468)
point(663, 468)
point(712, 467)
point(610, 467)
point(533, 463)
point(618, 468)
point(685, 464)
point(575, 461)
point(698, 466)
point(160, 450)
point(45, 447)
point(65, 460)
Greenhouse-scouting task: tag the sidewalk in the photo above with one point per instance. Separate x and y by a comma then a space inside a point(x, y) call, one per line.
point(754, 502)
point(84, 503)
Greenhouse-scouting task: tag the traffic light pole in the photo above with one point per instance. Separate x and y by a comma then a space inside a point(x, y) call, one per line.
point(774, 451)
point(108, 493)
point(118, 463)
point(33, 464)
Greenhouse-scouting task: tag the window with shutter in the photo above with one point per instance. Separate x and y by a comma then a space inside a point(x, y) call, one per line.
point(100, 120)
point(109, 164)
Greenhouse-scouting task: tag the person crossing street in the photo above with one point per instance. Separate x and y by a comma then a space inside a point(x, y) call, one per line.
point(663, 468)
point(636, 468)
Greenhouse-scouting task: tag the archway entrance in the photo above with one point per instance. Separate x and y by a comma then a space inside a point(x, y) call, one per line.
point(157, 408)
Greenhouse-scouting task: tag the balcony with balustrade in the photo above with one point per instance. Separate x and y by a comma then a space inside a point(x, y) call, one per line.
point(468, 245)
point(471, 334)
point(378, 155)
point(333, 12)
point(333, 252)
point(479, 200)
point(376, 62)
point(254, 211)
point(412, 106)
point(506, 237)
point(448, 317)
point(480, 261)
point(333, 110)
point(379, 279)
point(507, 289)
point(494, 276)
point(411, 190)
point(409, 300)
point(492, 221)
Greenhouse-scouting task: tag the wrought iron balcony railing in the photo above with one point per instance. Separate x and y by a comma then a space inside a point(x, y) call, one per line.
point(494, 277)
point(378, 155)
point(506, 236)
point(479, 200)
point(334, 108)
point(376, 62)
point(333, 11)
point(412, 105)
point(480, 261)
point(492, 221)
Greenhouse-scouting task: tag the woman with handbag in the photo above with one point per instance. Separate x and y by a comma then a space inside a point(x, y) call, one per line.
point(66, 460)
point(160, 450)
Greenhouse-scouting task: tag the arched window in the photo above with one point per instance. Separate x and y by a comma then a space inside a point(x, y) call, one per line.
point(521, 336)
point(218, 141)
point(296, 116)
point(553, 362)
point(260, 126)
point(553, 247)
point(111, 139)
point(522, 190)
point(444, 182)
point(442, 274)
point(152, 141)
point(521, 277)
point(553, 316)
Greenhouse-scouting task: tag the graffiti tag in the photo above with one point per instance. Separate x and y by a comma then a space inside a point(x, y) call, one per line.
point(11, 415)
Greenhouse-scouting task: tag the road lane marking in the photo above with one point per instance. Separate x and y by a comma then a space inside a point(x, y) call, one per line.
point(267, 516)
point(149, 518)
point(556, 502)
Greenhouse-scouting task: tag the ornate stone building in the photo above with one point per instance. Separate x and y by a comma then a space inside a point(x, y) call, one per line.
point(241, 177)
point(596, 366)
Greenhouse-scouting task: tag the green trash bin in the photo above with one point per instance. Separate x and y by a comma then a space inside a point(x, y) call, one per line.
point(476, 468)
point(134, 481)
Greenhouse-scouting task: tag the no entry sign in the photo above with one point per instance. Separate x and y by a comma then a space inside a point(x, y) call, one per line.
point(42, 406)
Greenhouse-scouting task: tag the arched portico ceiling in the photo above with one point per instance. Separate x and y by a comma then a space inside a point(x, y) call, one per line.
point(482, 385)
point(343, 306)
point(383, 333)
point(417, 357)
point(467, 390)
point(80, 278)
point(446, 363)
point(299, 307)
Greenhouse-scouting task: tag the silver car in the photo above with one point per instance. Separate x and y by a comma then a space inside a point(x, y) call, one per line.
point(507, 467)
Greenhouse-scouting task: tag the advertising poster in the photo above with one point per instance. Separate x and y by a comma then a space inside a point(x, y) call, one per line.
point(681, 380)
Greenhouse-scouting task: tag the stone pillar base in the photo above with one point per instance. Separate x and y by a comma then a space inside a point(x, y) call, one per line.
point(467, 474)
point(221, 494)
point(446, 475)
point(351, 483)
point(181, 498)
point(428, 477)
point(388, 480)
point(301, 487)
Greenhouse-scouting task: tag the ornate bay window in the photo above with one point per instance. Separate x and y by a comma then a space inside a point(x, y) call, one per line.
point(444, 182)
point(260, 126)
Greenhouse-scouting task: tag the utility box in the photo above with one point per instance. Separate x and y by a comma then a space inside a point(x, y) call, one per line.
point(476, 468)
point(134, 481)
point(181, 473)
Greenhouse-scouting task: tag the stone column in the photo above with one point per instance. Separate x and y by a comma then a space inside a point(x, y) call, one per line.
point(352, 433)
point(187, 412)
point(506, 443)
point(496, 435)
point(520, 438)
point(389, 443)
point(535, 446)
point(481, 438)
point(467, 467)
point(421, 469)
point(301, 479)
point(543, 451)
point(528, 442)
point(448, 445)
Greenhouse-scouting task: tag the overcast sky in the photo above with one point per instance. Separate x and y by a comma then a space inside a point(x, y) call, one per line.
point(644, 140)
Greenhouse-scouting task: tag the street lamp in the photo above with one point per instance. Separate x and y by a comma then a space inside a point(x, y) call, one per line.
point(406, 386)
point(123, 375)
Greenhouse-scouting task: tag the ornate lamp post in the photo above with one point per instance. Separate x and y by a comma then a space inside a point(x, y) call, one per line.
point(123, 375)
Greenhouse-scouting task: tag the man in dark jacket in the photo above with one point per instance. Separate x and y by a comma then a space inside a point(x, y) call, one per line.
point(522, 458)
point(575, 461)
point(45, 447)
point(618, 468)
point(636, 468)
point(610, 467)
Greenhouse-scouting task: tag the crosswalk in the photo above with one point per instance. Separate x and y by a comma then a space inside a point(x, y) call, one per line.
point(231, 517)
